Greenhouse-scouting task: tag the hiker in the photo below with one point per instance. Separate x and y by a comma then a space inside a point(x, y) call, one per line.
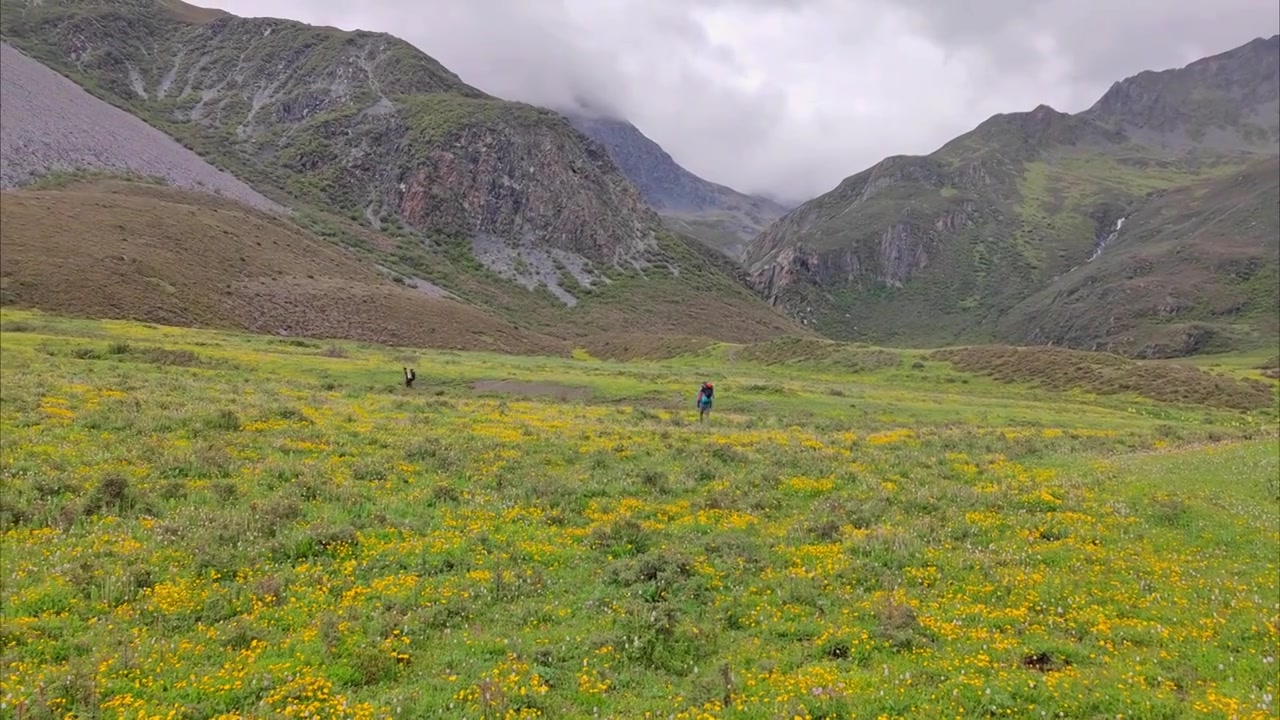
point(409, 377)
point(704, 399)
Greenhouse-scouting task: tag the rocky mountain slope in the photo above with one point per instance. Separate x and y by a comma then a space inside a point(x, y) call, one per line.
point(1228, 102)
point(939, 249)
point(50, 124)
point(717, 215)
point(505, 204)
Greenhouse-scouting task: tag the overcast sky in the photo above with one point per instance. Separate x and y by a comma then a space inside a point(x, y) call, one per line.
point(788, 97)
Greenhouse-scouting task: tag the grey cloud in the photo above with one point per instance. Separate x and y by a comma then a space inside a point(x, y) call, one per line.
point(1101, 40)
point(787, 97)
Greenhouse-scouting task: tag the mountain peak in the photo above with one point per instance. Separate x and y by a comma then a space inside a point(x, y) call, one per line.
point(593, 108)
point(660, 179)
point(1028, 133)
point(718, 215)
point(1225, 102)
point(1264, 43)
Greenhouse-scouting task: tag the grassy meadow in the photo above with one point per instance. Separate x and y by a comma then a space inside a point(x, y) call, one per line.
point(208, 525)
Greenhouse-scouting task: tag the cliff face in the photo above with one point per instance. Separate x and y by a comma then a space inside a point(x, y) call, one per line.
point(858, 236)
point(469, 167)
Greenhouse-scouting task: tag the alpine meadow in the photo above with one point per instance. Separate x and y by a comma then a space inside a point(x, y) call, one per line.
point(334, 387)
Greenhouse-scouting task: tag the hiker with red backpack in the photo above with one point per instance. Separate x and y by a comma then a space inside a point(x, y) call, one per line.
point(704, 400)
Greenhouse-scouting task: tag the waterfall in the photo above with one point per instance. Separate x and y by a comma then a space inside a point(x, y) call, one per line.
point(1106, 241)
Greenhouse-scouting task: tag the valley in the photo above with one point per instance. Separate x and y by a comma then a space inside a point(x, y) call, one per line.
point(545, 221)
point(995, 428)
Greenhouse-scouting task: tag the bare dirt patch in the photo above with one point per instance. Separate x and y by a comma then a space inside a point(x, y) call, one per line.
point(1044, 662)
point(640, 346)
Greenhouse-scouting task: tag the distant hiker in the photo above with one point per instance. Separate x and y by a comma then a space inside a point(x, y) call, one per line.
point(704, 400)
point(409, 377)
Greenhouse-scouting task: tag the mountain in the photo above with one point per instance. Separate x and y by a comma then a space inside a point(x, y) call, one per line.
point(377, 147)
point(973, 242)
point(717, 215)
point(177, 241)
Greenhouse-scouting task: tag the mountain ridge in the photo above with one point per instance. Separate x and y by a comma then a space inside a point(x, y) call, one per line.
point(716, 214)
point(937, 249)
point(1187, 105)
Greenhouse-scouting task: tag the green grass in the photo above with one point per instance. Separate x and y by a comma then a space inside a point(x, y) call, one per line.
point(218, 525)
point(61, 179)
point(433, 118)
point(1238, 364)
point(1106, 373)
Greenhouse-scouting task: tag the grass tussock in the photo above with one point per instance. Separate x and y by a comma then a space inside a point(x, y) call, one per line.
point(845, 357)
point(633, 346)
point(124, 351)
point(1271, 368)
